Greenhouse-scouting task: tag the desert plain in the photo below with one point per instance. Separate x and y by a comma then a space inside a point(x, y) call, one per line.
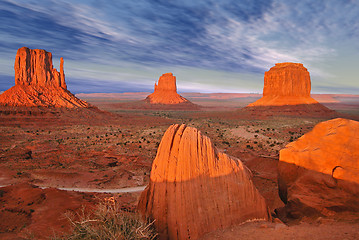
point(59, 160)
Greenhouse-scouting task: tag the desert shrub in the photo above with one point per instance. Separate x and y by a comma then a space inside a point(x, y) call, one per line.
point(226, 142)
point(108, 222)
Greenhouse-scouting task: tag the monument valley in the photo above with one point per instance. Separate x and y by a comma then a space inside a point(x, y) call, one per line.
point(117, 154)
point(179, 120)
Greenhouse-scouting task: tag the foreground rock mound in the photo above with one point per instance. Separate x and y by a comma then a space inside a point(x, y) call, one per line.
point(37, 83)
point(194, 189)
point(166, 91)
point(319, 173)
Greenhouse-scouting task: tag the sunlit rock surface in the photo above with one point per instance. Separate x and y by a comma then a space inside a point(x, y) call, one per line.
point(319, 173)
point(166, 91)
point(195, 189)
point(37, 83)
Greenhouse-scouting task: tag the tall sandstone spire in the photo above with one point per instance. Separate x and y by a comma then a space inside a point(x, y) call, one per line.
point(166, 91)
point(62, 74)
point(195, 189)
point(38, 83)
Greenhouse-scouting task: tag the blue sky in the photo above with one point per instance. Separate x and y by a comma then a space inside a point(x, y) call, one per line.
point(210, 46)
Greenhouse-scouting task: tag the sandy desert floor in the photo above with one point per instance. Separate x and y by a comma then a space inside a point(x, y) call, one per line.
point(42, 153)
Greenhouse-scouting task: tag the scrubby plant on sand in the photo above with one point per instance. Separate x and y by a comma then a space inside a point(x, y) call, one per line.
point(108, 222)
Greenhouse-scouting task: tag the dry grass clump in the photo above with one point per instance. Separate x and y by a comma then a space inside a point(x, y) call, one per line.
point(108, 222)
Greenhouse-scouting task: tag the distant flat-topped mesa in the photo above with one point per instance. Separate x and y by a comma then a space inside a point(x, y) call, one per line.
point(195, 189)
point(37, 83)
point(286, 84)
point(166, 91)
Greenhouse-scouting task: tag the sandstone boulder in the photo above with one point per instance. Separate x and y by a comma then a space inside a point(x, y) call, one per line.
point(37, 83)
point(319, 173)
point(195, 189)
point(166, 91)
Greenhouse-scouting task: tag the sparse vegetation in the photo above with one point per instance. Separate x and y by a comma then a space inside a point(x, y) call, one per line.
point(108, 222)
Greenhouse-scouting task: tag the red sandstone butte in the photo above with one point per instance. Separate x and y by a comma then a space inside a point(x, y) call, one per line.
point(166, 91)
point(37, 83)
point(319, 173)
point(195, 189)
point(286, 84)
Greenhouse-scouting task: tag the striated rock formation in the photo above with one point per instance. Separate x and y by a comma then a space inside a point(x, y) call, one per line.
point(287, 91)
point(287, 79)
point(319, 173)
point(286, 84)
point(194, 189)
point(166, 91)
point(37, 83)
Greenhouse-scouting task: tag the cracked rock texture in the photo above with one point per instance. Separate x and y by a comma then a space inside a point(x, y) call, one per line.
point(195, 189)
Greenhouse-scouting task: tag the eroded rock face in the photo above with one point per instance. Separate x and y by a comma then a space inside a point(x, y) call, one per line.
point(37, 83)
point(166, 91)
point(195, 189)
point(34, 67)
point(286, 84)
point(287, 79)
point(319, 173)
